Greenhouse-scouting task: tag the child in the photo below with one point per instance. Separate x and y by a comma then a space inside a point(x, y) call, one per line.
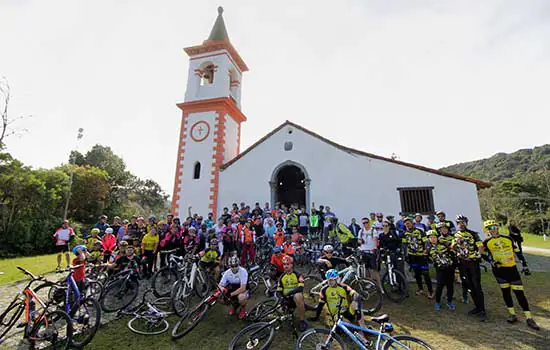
point(149, 248)
point(94, 245)
point(191, 241)
point(108, 243)
point(279, 235)
point(442, 259)
point(79, 266)
point(288, 248)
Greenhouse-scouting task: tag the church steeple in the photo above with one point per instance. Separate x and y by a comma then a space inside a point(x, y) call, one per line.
point(218, 30)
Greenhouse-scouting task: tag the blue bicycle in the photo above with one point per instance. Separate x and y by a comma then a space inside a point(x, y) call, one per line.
point(324, 339)
point(83, 310)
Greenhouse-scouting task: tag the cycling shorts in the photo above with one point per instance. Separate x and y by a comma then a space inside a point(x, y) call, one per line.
point(507, 275)
point(62, 248)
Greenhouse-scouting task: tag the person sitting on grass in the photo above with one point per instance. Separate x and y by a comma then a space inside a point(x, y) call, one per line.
point(291, 287)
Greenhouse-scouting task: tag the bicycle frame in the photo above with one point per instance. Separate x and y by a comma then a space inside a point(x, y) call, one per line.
point(30, 321)
point(71, 285)
point(381, 336)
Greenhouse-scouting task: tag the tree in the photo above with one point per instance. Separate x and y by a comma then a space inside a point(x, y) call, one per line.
point(6, 122)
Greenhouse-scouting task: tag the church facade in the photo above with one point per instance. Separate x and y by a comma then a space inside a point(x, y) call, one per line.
point(291, 164)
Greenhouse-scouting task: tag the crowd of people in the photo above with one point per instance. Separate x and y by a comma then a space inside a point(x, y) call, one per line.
point(230, 243)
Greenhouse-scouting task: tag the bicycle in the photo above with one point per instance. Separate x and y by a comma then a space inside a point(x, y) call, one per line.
point(190, 320)
point(260, 334)
point(394, 281)
point(122, 290)
point(367, 288)
point(164, 278)
point(41, 325)
point(148, 317)
point(192, 279)
point(83, 310)
point(322, 338)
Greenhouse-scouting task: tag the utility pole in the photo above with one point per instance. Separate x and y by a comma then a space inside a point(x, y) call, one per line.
point(71, 169)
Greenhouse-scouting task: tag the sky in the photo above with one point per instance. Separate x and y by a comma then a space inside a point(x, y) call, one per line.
point(435, 82)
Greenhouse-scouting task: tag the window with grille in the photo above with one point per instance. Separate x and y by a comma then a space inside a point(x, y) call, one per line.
point(416, 200)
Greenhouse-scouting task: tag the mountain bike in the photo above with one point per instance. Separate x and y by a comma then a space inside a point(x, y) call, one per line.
point(260, 334)
point(122, 290)
point(367, 288)
point(148, 318)
point(394, 281)
point(193, 279)
point(164, 278)
point(191, 319)
point(83, 310)
point(42, 325)
point(323, 339)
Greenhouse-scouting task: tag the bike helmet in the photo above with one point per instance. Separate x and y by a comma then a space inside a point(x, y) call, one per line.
point(418, 214)
point(441, 224)
point(379, 215)
point(213, 242)
point(152, 218)
point(331, 274)
point(95, 230)
point(277, 249)
point(489, 223)
point(461, 218)
point(108, 230)
point(233, 261)
point(287, 260)
point(328, 248)
point(77, 248)
point(432, 233)
point(440, 212)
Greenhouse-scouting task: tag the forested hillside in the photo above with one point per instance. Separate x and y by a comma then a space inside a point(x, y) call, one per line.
point(521, 186)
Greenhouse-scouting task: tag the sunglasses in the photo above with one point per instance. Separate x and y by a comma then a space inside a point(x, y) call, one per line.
point(492, 228)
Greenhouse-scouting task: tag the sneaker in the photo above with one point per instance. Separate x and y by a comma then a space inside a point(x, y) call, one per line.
point(58, 268)
point(474, 311)
point(437, 306)
point(231, 312)
point(242, 313)
point(531, 323)
point(420, 292)
point(482, 316)
point(512, 319)
point(451, 306)
point(303, 325)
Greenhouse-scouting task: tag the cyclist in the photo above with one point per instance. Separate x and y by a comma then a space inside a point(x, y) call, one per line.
point(466, 246)
point(94, 245)
point(336, 294)
point(390, 243)
point(328, 260)
point(108, 243)
point(210, 258)
point(441, 218)
point(277, 263)
point(443, 260)
point(62, 237)
point(149, 249)
point(416, 240)
point(288, 248)
point(430, 222)
point(291, 287)
point(235, 282)
point(344, 235)
point(79, 266)
point(368, 240)
point(419, 224)
point(501, 251)
point(279, 235)
point(247, 237)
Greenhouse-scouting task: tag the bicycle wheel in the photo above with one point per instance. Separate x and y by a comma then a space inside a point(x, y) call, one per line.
point(262, 311)
point(94, 290)
point(201, 284)
point(119, 294)
point(403, 342)
point(55, 328)
point(164, 305)
point(179, 297)
point(10, 316)
point(312, 288)
point(148, 325)
point(86, 320)
point(371, 295)
point(320, 339)
point(255, 336)
point(397, 290)
point(162, 281)
point(190, 321)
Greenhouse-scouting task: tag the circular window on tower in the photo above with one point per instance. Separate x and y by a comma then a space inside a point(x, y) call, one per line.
point(200, 131)
point(288, 146)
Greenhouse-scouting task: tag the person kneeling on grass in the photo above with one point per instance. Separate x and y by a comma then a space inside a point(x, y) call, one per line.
point(290, 287)
point(235, 282)
point(500, 253)
point(442, 258)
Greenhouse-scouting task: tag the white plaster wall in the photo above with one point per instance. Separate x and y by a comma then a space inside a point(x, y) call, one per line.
point(352, 185)
point(220, 87)
point(196, 192)
point(231, 134)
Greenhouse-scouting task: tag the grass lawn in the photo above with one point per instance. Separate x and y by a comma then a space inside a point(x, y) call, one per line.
point(536, 241)
point(36, 264)
point(443, 330)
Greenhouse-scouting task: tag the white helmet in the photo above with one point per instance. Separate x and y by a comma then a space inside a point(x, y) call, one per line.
point(108, 230)
point(328, 248)
point(233, 261)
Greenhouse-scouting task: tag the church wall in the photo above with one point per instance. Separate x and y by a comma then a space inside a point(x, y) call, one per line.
point(231, 138)
point(195, 192)
point(351, 184)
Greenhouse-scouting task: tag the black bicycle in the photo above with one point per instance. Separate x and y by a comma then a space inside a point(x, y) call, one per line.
point(122, 290)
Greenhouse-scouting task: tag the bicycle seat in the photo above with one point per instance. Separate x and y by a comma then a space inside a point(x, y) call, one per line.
point(380, 319)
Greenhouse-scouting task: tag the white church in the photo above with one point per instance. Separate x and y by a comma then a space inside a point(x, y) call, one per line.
point(211, 170)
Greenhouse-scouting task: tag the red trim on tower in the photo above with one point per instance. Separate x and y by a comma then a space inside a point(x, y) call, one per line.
point(179, 167)
point(238, 138)
point(219, 141)
point(217, 45)
point(215, 104)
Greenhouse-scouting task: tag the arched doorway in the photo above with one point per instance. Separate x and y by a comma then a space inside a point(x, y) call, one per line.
point(290, 185)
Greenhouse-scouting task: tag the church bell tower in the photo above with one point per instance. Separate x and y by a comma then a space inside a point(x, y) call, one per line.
point(210, 122)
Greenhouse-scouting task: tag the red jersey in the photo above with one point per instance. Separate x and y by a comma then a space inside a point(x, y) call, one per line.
point(279, 238)
point(79, 274)
point(288, 249)
point(247, 235)
point(277, 262)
